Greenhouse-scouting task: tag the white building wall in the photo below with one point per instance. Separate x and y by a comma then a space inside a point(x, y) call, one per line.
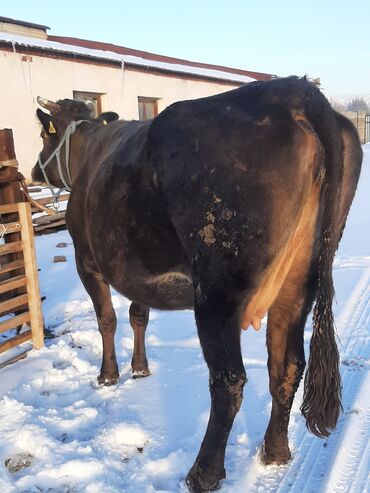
point(168, 89)
point(24, 77)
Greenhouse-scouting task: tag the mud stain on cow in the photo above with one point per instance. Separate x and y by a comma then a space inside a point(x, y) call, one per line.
point(208, 234)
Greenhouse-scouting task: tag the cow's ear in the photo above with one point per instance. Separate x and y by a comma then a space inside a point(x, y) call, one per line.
point(107, 117)
point(47, 122)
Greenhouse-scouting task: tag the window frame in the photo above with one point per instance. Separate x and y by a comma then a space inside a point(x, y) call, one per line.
point(143, 110)
point(94, 97)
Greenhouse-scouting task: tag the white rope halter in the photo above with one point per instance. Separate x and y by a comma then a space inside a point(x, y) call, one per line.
point(70, 130)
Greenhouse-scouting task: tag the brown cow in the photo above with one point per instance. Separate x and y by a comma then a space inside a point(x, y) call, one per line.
point(232, 204)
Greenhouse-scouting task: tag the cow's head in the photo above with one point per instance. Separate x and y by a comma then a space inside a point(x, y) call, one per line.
point(54, 125)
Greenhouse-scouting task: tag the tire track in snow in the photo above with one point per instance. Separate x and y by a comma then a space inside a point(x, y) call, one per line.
point(350, 468)
point(312, 457)
point(353, 372)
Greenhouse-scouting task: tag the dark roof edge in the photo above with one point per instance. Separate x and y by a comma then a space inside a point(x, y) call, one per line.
point(8, 20)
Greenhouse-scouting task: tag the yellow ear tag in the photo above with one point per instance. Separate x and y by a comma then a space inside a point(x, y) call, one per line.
point(52, 128)
point(104, 122)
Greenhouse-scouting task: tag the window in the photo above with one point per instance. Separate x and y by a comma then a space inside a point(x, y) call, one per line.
point(90, 97)
point(148, 108)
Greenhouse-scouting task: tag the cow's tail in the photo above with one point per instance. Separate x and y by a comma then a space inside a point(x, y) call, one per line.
point(322, 386)
point(321, 404)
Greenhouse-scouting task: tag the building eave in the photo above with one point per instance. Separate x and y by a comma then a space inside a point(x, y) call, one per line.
point(107, 55)
point(156, 57)
point(8, 20)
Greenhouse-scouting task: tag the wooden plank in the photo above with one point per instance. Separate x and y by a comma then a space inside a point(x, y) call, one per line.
point(8, 175)
point(7, 209)
point(50, 226)
point(7, 150)
point(14, 341)
point(14, 322)
point(16, 302)
point(15, 246)
point(13, 283)
point(10, 195)
point(49, 200)
point(30, 265)
point(6, 228)
point(49, 219)
point(20, 309)
point(10, 361)
point(17, 264)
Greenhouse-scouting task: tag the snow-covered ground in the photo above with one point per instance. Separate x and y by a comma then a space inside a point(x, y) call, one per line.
point(61, 433)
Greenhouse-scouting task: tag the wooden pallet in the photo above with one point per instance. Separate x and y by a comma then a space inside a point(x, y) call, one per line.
point(19, 287)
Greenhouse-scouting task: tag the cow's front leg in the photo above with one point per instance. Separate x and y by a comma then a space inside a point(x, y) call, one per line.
point(99, 292)
point(219, 334)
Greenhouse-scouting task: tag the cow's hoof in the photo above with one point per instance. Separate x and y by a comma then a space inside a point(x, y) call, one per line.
point(278, 457)
point(140, 373)
point(199, 481)
point(107, 380)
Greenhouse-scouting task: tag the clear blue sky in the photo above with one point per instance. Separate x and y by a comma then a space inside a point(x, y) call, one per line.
point(329, 39)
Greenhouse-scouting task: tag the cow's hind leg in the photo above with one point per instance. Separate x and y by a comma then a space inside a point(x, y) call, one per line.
point(99, 292)
point(219, 332)
point(286, 363)
point(139, 316)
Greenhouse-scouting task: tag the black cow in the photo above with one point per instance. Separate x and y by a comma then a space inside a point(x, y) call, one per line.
point(233, 205)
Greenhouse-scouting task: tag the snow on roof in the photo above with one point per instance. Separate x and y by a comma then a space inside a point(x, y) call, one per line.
point(123, 50)
point(47, 45)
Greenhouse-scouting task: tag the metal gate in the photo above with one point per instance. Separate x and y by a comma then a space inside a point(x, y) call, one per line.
point(367, 129)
